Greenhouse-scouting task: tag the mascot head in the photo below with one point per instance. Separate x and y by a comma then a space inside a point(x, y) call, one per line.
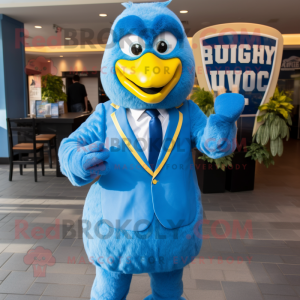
point(148, 62)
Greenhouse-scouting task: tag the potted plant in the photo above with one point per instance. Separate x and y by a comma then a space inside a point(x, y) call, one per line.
point(52, 89)
point(260, 153)
point(240, 176)
point(210, 172)
point(276, 118)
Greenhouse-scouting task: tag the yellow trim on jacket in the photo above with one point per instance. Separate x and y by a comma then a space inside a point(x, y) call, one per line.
point(115, 105)
point(171, 146)
point(136, 155)
point(128, 144)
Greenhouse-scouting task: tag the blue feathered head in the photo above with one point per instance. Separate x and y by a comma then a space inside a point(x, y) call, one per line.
point(148, 62)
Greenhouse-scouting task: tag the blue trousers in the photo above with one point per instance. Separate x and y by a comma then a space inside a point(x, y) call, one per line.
point(115, 285)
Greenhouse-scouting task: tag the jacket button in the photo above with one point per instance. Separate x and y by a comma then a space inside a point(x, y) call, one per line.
point(155, 181)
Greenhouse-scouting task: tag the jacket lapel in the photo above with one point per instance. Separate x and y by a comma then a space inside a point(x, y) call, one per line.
point(119, 118)
point(172, 133)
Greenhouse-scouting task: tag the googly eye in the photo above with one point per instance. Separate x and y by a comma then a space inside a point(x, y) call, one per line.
point(164, 43)
point(136, 49)
point(132, 45)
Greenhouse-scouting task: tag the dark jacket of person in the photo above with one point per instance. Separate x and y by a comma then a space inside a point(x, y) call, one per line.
point(76, 93)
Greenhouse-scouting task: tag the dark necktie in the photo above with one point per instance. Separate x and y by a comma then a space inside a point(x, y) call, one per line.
point(155, 132)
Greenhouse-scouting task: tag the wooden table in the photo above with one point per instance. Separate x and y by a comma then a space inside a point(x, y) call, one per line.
point(62, 126)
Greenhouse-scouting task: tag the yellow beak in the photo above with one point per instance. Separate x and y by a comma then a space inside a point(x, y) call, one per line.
point(149, 78)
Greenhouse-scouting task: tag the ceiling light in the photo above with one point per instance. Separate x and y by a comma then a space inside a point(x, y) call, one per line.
point(67, 38)
point(61, 56)
point(102, 15)
point(183, 11)
point(37, 26)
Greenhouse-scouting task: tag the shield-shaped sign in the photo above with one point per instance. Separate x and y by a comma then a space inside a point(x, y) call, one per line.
point(242, 54)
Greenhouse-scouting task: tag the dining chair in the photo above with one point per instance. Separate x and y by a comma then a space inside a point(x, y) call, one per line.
point(50, 140)
point(23, 147)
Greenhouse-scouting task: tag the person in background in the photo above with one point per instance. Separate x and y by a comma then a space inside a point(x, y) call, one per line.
point(77, 96)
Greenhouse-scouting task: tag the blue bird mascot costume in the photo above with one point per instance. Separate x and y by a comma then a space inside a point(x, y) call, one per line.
point(143, 212)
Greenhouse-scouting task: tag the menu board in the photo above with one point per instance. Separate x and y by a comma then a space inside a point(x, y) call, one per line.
point(42, 108)
point(34, 91)
point(54, 110)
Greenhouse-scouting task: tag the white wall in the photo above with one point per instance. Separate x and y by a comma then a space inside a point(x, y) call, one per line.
point(91, 86)
point(84, 63)
point(66, 64)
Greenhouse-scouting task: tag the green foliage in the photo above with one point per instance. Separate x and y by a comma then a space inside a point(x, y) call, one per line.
point(52, 89)
point(276, 118)
point(205, 100)
point(260, 153)
point(279, 104)
point(221, 163)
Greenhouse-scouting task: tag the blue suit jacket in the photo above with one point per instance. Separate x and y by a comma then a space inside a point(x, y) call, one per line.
point(131, 193)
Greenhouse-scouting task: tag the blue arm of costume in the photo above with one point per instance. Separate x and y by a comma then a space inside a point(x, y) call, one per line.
point(82, 155)
point(216, 136)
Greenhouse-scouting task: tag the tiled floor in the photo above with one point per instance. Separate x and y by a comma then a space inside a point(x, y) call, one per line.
point(265, 267)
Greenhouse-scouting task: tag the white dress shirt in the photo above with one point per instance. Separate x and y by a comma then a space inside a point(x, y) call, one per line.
point(139, 122)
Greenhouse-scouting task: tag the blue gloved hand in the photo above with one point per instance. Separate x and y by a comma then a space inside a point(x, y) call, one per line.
point(94, 159)
point(229, 106)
